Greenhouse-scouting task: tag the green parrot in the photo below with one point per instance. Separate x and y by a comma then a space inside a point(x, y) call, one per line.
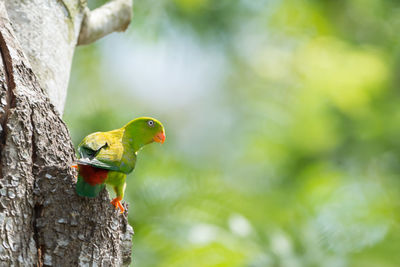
point(107, 157)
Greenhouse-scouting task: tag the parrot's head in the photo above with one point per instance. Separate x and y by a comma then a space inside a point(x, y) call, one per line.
point(146, 130)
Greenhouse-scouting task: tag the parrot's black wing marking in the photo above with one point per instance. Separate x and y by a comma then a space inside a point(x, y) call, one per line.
point(97, 163)
point(88, 152)
point(97, 150)
point(87, 156)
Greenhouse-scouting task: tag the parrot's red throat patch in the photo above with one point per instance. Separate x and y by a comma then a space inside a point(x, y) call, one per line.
point(92, 175)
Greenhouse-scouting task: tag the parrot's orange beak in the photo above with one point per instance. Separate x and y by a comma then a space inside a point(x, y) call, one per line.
point(159, 138)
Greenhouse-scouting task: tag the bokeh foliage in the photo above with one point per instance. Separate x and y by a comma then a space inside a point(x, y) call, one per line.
point(282, 121)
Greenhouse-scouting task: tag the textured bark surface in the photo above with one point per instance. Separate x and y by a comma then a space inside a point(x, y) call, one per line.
point(42, 221)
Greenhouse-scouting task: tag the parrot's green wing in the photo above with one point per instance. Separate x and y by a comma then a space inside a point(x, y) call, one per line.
point(102, 150)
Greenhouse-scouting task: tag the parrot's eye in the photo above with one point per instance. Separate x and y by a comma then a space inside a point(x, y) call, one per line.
point(150, 123)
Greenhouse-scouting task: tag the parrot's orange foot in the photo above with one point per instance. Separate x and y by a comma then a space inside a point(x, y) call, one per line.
point(117, 204)
point(75, 166)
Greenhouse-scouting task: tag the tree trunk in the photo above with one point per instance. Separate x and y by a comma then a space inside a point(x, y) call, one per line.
point(49, 30)
point(42, 220)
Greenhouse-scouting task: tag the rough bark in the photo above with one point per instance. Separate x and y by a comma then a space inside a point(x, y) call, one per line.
point(42, 220)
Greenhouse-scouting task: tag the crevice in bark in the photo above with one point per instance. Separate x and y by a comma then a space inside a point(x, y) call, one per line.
point(38, 208)
point(40, 248)
point(5, 53)
point(33, 144)
point(9, 87)
point(64, 8)
point(9, 72)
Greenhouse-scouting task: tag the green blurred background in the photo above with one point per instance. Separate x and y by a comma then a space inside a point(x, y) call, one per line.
point(282, 121)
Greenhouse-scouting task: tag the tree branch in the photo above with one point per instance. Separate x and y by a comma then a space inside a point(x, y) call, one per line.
point(113, 16)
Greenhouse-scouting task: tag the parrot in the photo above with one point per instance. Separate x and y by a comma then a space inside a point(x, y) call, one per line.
point(107, 157)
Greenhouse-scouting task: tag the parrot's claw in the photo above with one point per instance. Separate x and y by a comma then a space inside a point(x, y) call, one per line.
point(75, 166)
point(117, 204)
